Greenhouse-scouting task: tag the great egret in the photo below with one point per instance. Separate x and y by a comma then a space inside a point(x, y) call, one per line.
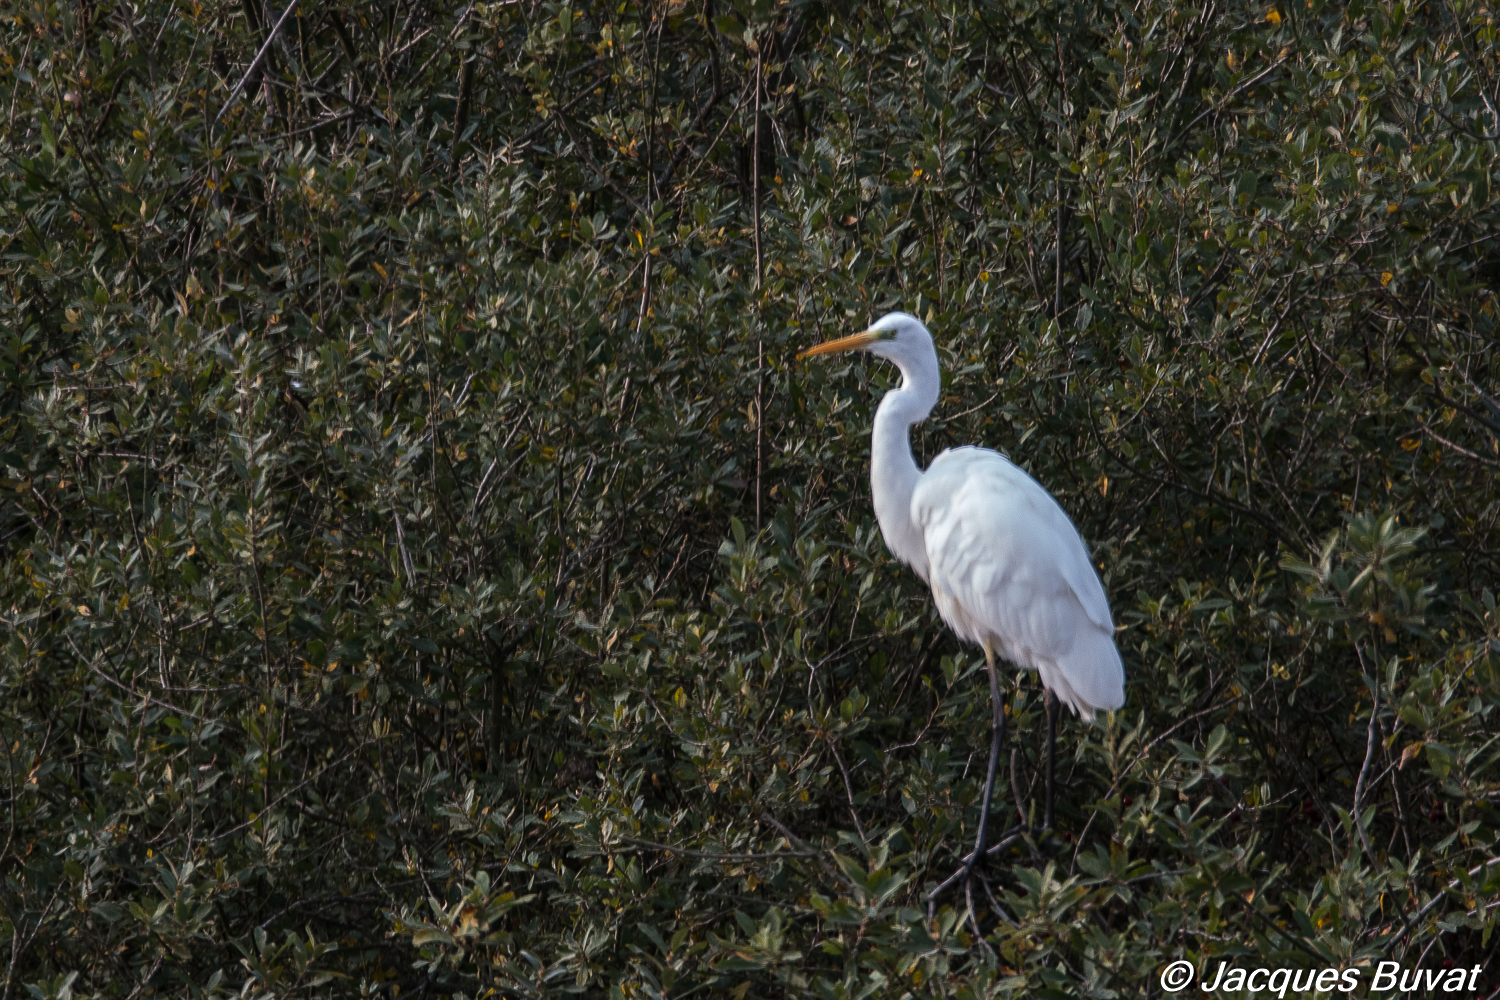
point(1006, 566)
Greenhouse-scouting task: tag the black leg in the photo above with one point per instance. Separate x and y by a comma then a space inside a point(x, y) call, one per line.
point(997, 737)
point(997, 740)
point(1051, 702)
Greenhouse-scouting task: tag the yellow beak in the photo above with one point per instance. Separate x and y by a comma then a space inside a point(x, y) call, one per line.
point(854, 343)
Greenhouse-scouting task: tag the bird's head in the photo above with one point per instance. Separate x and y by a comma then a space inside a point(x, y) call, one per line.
point(897, 336)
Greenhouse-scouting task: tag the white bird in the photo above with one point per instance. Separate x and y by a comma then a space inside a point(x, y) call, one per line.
point(1007, 568)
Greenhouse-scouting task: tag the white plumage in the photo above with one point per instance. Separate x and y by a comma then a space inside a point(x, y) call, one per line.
point(1007, 568)
point(1006, 565)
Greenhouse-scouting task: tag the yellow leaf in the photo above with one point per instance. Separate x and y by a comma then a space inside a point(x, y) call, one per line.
point(1385, 277)
point(1411, 751)
point(1273, 16)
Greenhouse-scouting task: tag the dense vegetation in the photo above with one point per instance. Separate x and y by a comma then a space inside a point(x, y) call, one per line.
point(425, 569)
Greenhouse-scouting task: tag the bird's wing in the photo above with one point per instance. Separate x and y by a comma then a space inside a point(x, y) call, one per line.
point(988, 517)
point(1007, 562)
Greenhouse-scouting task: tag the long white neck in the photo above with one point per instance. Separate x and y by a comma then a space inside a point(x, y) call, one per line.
point(893, 471)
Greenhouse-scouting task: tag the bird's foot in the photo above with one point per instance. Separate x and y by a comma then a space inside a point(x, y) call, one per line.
point(964, 873)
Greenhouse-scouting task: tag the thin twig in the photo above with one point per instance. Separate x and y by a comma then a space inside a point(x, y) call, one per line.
point(541, 126)
point(266, 47)
point(760, 349)
point(822, 863)
point(589, 162)
point(411, 575)
point(127, 688)
point(1456, 447)
point(712, 856)
point(1437, 898)
point(1364, 771)
point(971, 409)
point(682, 150)
point(849, 790)
point(1225, 102)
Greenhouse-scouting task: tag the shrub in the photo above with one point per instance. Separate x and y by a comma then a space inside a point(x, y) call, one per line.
point(426, 568)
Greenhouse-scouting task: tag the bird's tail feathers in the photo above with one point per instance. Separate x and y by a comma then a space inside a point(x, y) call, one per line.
point(1090, 678)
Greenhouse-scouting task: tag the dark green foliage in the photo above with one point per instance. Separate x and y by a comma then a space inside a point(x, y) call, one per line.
point(415, 522)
